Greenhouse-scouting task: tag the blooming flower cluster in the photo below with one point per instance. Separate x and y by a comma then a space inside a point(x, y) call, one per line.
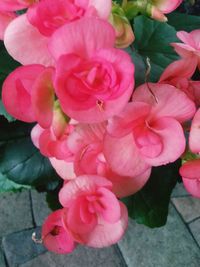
point(102, 135)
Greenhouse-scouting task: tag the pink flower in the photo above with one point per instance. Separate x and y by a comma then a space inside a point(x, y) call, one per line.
point(93, 80)
point(5, 19)
point(178, 74)
point(141, 136)
point(167, 6)
point(86, 143)
point(93, 213)
point(28, 94)
point(55, 235)
point(26, 38)
point(190, 46)
point(191, 178)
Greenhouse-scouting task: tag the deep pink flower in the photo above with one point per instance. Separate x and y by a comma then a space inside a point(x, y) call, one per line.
point(55, 235)
point(94, 215)
point(141, 136)
point(190, 46)
point(93, 81)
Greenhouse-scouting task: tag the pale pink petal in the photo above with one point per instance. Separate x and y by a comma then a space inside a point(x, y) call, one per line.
point(86, 183)
point(195, 35)
point(123, 156)
point(124, 186)
point(185, 37)
point(183, 50)
point(5, 19)
point(106, 234)
point(194, 138)
point(35, 134)
point(173, 141)
point(167, 101)
point(103, 7)
point(13, 5)
point(167, 6)
point(25, 44)
point(82, 37)
point(64, 169)
point(16, 92)
point(183, 68)
point(43, 98)
point(192, 186)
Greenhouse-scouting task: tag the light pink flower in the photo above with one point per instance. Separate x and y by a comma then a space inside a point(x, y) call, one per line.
point(190, 172)
point(190, 46)
point(179, 74)
point(167, 6)
point(141, 136)
point(94, 215)
point(93, 80)
point(28, 94)
point(5, 19)
point(55, 235)
point(28, 45)
point(86, 142)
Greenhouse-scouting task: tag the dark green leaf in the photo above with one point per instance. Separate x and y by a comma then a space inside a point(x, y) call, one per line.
point(20, 161)
point(150, 205)
point(184, 22)
point(7, 185)
point(152, 40)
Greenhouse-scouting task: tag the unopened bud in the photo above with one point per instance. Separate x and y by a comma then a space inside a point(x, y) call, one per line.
point(157, 14)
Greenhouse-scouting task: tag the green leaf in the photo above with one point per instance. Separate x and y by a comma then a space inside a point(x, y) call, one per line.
point(184, 22)
point(20, 161)
point(152, 40)
point(7, 185)
point(150, 205)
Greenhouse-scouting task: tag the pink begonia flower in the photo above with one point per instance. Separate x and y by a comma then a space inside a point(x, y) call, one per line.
point(178, 74)
point(28, 94)
point(14, 5)
point(28, 45)
point(5, 19)
point(93, 80)
point(55, 235)
point(190, 46)
point(190, 172)
point(143, 131)
point(94, 215)
point(194, 137)
point(16, 92)
point(86, 143)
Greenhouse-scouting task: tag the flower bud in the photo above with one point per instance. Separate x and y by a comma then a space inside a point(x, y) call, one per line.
point(157, 14)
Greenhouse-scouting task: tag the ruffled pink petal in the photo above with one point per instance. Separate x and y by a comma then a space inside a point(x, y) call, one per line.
point(16, 93)
point(167, 101)
point(173, 144)
point(64, 169)
point(106, 234)
point(168, 6)
point(103, 7)
point(123, 156)
point(5, 19)
point(82, 183)
point(55, 236)
point(183, 50)
point(194, 138)
point(43, 98)
point(25, 44)
point(82, 37)
point(191, 178)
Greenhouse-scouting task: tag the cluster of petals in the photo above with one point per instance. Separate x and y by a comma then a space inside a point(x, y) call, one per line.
point(91, 215)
